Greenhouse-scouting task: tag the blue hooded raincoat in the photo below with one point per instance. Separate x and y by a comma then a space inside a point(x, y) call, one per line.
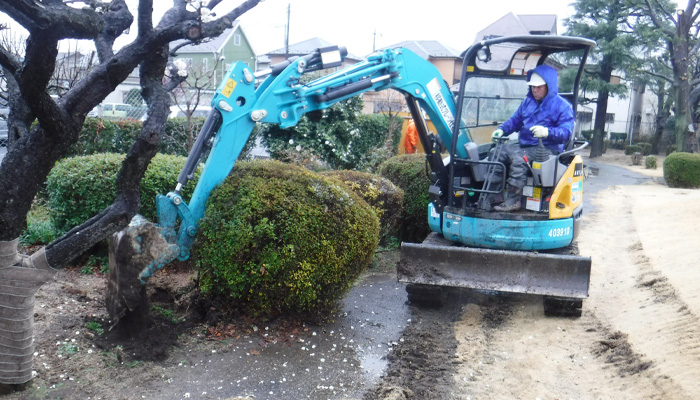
point(552, 112)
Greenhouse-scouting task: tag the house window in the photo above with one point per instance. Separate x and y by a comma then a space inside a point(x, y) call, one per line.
point(237, 39)
point(205, 65)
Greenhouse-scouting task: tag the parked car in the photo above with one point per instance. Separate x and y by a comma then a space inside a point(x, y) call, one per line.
point(199, 112)
point(115, 110)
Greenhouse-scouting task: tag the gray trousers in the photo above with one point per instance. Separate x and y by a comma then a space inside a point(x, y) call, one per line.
point(512, 156)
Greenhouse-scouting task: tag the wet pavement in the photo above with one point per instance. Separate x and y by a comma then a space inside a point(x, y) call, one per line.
point(601, 176)
point(340, 360)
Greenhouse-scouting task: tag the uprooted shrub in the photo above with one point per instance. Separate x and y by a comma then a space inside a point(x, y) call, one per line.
point(407, 171)
point(682, 170)
point(383, 196)
point(278, 239)
point(80, 187)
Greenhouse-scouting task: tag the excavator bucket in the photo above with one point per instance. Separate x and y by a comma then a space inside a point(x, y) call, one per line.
point(139, 249)
point(438, 262)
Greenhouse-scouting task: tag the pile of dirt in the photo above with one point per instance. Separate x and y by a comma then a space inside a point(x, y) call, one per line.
point(616, 350)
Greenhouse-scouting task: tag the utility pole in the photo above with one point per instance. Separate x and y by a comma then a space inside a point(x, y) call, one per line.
point(374, 40)
point(286, 32)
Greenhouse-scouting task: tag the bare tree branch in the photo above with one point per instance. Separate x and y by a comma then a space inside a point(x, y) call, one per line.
point(145, 18)
point(63, 21)
point(657, 21)
point(117, 19)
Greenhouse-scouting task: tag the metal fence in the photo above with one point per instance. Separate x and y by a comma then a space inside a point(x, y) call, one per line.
point(3, 133)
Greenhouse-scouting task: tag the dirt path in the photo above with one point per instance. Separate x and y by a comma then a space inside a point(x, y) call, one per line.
point(638, 338)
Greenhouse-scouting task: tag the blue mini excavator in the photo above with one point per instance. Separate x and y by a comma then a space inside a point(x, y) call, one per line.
point(528, 251)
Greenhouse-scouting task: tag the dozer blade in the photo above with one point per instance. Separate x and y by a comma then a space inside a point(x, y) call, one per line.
point(438, 262)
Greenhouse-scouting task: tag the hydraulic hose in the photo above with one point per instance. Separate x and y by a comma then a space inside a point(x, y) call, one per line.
point(210, 127)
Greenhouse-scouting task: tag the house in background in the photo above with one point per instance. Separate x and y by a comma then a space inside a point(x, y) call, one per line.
point(302, 49)
point(207, 63)
point(447, 60)
point(215, 56)
point(512, 25)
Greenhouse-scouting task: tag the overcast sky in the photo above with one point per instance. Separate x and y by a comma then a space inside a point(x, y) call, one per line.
point(352, 23)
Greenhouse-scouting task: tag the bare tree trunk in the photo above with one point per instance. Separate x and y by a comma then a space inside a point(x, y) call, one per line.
point(601, 110)
point(686, 135)
point(663, 105)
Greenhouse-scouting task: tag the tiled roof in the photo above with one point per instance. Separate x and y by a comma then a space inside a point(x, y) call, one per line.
point(428, 48)
point(306, 47)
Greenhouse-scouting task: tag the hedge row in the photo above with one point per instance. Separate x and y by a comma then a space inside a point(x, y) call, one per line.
point(80, 187)
point(108, 136)
point(641, 147)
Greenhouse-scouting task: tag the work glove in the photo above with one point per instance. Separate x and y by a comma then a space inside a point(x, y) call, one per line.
point(539, 131)
point(496, 134)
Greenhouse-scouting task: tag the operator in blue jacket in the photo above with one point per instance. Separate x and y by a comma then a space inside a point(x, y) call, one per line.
point(543, 114)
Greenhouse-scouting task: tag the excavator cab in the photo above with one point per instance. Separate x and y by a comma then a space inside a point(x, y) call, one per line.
point(528, 251)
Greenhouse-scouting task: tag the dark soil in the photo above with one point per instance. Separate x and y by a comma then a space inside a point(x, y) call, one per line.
point(616, 350)
point(421, 366)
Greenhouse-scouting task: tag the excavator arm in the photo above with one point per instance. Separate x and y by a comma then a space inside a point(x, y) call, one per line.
point(283, 97)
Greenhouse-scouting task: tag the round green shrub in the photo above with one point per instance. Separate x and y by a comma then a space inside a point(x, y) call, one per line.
point(407, 171)
point(631, 149)
point(279, 239)
point(650, 162)
point(80, 187)
point(646, 148)
point(682, 170)
point(383, 196)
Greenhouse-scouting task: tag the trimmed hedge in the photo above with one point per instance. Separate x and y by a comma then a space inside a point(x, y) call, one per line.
point(633, 148)
point(682, 170)
point(407, 171)
point(101, 135)
point(80, 187)
point(279, 239)
point(640, 147)
point(383, 196)
point(646, 148)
